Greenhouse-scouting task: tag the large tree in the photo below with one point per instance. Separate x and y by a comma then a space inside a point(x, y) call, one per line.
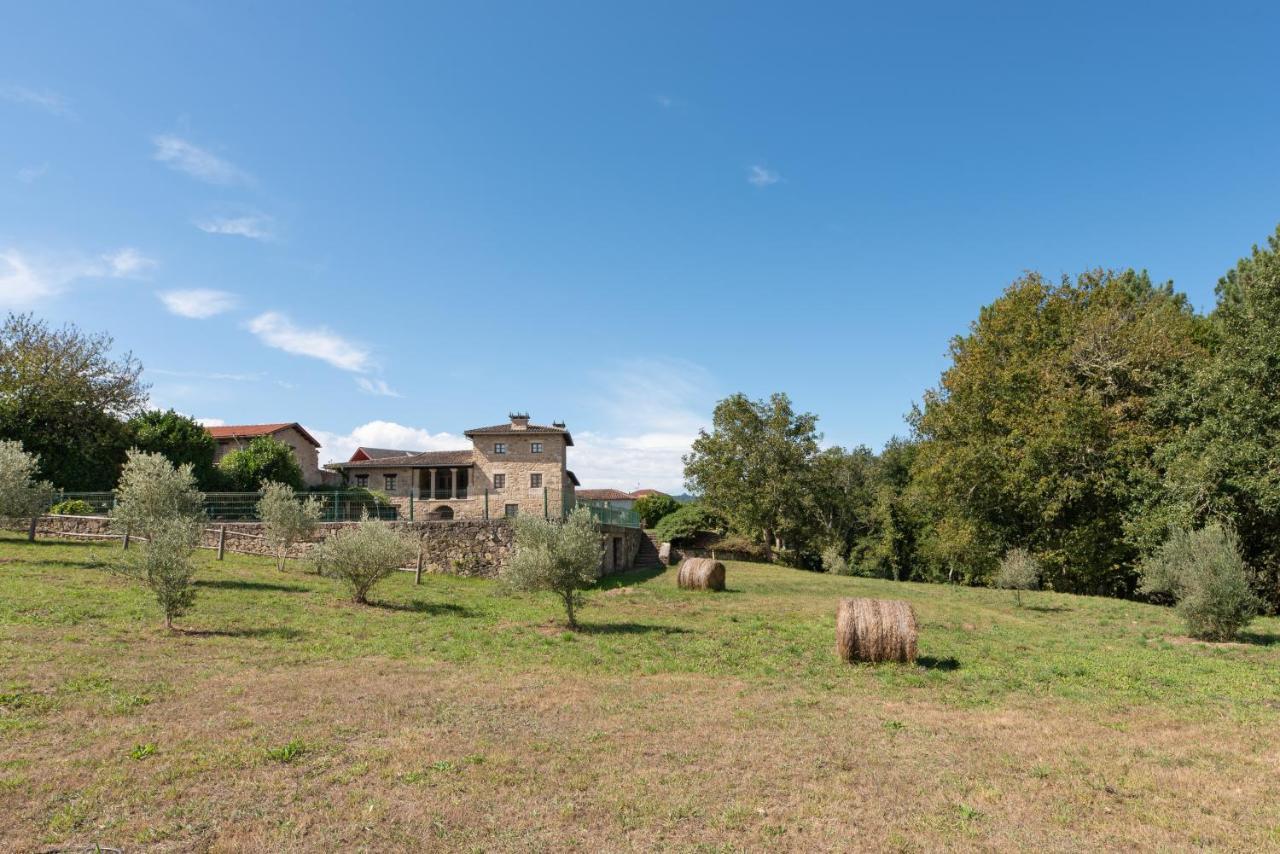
point(1225, 463)
point(65, 397)
point(180, 439)
point(752, 469)
point(1043, 431)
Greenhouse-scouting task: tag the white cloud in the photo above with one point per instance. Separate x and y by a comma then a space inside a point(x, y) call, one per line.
point(211, 422)
point(203, 375)
point(385, 434)
point(377, 387)
point(50, 102)
point(759, 176)
point(177, 153)
point(276, 330)
point(253, 226)
point(198, 303)
point(31, 174)
point(127, 262)
point(643, 460)
point(26, 281)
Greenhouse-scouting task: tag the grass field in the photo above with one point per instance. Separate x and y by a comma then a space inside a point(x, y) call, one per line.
point(453, 716)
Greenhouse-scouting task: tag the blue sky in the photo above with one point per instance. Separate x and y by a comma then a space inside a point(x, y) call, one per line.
point(395, 222)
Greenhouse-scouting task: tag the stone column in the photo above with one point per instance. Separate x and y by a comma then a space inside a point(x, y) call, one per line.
point(453, 483)
point(432, 494)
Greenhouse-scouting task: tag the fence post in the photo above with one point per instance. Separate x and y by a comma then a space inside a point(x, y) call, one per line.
point(31, 531)
point(417, 575)
point(486, 504)
point(410, 504)
point(222, 540)
point(126, 539)
point(546, 511)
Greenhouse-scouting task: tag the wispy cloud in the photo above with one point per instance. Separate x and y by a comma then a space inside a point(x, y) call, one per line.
point(253, 226)
point(26, 280)
point(31, 174)
point(276, 330)
point(51, 102)
point(127, 262)
point(376, 387)
point(759, 176)
point(666, 102)
point(204, 375)
point(184, 156)
point(198, 303)
point(385, 434)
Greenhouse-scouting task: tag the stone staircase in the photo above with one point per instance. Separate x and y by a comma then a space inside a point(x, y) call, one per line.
point(648, 554)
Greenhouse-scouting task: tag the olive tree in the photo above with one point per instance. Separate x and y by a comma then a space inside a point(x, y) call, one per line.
point(286, 518)
point(161, 505)
point(1205, 575)
point(21, 495)
point(1018, 571)
point(363, 556)
point(559, 557)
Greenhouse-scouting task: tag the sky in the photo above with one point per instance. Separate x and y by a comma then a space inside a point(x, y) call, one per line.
point(393, 222)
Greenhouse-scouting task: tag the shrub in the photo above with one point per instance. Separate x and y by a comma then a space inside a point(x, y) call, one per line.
point(559, 557)
point(21, 495)
point(652, 508)
point(1018, 571)
point(1207, 578)
point(263, 460)
point(684, 524)
point(286, 518)
point(834, 562)
point(363, 556)
point(161, 503)
point(72, 507)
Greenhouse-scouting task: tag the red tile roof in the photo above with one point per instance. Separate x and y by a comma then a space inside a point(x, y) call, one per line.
point(252, 431)
point(509, 430)
point(641, 493)
point(425, 459)
point(602, 495)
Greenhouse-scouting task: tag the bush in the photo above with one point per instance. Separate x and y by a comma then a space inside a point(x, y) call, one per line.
point(1206, 577)
point(684, 524)
point(286, 518)
point(21, 495)
point(559, 557)
point(1019, 570)
point(162, 504)
point(264, 460)
point(363, 556)
point(652, 508)
point(834, 562)
point(72, 507)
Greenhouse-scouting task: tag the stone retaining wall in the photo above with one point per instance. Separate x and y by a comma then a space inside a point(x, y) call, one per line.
point(471, 547)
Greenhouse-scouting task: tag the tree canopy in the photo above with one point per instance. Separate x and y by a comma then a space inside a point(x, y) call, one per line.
point(179, 439)
point(263, 460)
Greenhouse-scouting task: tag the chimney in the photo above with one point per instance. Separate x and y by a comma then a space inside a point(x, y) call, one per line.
point(519, 421)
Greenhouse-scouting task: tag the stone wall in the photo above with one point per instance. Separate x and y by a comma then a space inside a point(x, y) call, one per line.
point(469, 547)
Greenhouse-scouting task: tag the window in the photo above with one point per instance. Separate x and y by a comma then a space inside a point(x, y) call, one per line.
point(535, 480)
point(389, 482)
point(499, 481)
point(499, 447)
point(535, 447)
point(511, 510)
point(362, 481)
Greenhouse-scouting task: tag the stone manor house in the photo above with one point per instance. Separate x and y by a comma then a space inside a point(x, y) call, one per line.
point(510, 468)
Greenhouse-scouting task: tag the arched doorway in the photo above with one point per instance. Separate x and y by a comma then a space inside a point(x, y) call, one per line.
point(442, 513)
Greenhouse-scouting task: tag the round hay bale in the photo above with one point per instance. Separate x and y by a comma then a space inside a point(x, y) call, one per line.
point(876, 630)
point(700, 573)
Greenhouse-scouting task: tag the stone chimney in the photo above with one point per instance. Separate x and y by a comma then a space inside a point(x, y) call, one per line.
point(519, 421)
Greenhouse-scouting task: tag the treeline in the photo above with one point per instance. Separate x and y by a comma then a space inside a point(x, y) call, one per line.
point(79, 409)
point(1084, 420)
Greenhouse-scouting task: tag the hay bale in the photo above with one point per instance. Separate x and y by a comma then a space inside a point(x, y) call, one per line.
point(700, 573)
point(876, 630)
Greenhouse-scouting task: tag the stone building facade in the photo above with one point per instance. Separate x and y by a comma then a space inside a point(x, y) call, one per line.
point(510, 469)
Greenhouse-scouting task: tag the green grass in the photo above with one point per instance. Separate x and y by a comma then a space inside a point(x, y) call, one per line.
point(272, 656)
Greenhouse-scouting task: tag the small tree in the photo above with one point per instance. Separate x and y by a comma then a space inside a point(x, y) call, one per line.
point(651, 508)
point(560, 557)
point(21, 495)
point(263, 460)
point(286, 518)
point(363, 556)
point(1019, 570)
point(160, 503)
point(1206, 577)
point(834, 561)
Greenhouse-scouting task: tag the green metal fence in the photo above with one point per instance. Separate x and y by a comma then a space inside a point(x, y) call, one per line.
point(335, 505)
point(613, 515)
